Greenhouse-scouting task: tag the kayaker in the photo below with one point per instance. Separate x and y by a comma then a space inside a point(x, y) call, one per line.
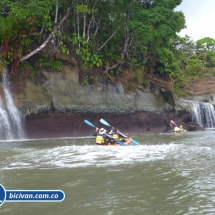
point(179, 129)
point(116, 134)
point(102, 138)
point(176, 128)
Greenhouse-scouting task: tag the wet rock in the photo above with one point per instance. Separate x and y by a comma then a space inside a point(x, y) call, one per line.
point(194, 127)
point(72, 124)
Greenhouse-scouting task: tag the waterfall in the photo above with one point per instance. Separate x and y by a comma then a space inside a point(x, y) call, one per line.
point(10, 117)
point(203, 114)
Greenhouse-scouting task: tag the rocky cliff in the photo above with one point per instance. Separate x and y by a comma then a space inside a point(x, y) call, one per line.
point(201, 90)
point(55, 104)
point(62, 91)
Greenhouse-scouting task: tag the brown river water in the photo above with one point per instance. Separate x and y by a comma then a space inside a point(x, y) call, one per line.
point(167, 173)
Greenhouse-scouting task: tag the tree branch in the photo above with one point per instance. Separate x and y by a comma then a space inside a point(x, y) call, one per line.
point(108, 39)
point(51, 34)
point(108, 68)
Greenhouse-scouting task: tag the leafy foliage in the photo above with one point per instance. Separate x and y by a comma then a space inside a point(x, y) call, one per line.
point(196, 60)
point(14, 37)
point(88, 59)
point(125, 39)
point(55, 64)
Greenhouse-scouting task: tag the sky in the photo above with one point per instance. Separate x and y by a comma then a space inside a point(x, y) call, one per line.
point(200, 18)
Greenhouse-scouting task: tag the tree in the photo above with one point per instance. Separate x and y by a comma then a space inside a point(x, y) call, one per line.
point(14, 37)
point(206, 43)
point(19, 14)
point(106, 33)
point(154, 27)
point(51, 34)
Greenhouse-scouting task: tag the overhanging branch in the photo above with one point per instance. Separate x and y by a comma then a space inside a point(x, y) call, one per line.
point(50, 35)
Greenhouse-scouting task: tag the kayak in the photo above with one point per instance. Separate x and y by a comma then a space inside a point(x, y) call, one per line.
point(178, 132)
point(108, 145)
point(120, 143)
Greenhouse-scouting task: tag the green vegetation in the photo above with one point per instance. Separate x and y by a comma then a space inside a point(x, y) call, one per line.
point(196, 60)
point(129, 41)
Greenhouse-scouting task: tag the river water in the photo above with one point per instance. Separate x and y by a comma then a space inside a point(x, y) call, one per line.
point(167, 174)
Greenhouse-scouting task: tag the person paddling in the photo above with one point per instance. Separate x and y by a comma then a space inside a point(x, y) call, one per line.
point(102, 138)
point(116, 134)
point(176, 128)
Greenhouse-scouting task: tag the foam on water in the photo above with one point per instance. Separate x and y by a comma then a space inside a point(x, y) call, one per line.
point(82, 156)
point(42, 139)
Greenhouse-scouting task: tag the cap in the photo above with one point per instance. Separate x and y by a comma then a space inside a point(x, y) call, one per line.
point(102, 131)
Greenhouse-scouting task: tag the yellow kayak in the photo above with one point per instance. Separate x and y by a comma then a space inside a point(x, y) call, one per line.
point(179, 130)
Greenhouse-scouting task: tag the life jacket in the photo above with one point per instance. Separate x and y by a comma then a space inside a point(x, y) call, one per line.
point(115, 136)
point(99, 140)
point(177, 130)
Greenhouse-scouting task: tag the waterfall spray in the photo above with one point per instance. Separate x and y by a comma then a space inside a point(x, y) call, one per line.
point(10, 117)
point(203, 114)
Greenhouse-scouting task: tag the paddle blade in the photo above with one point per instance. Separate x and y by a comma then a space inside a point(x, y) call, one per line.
point(120, 143)
point(104, 122)
point(89, 123)
point(173, 122)
point(134, 143)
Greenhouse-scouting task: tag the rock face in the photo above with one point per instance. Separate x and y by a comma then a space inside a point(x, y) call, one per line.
point(61, 91)
point(202, 90)
point(55, 104)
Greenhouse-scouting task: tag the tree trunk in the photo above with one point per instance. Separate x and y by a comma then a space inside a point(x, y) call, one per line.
point(78, 24)
point(84, 27)
point(91, 20)
point(56, 13)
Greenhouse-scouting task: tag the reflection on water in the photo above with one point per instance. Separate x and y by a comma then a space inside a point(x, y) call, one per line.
point(166, 174)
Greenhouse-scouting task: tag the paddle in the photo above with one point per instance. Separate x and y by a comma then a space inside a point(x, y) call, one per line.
point(173, 123)
point(91, 124)
point(177, 126)
point(119, 142)
point(134, 142)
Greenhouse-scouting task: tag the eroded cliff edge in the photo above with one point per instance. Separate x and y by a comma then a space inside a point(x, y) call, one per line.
point(55, 104)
